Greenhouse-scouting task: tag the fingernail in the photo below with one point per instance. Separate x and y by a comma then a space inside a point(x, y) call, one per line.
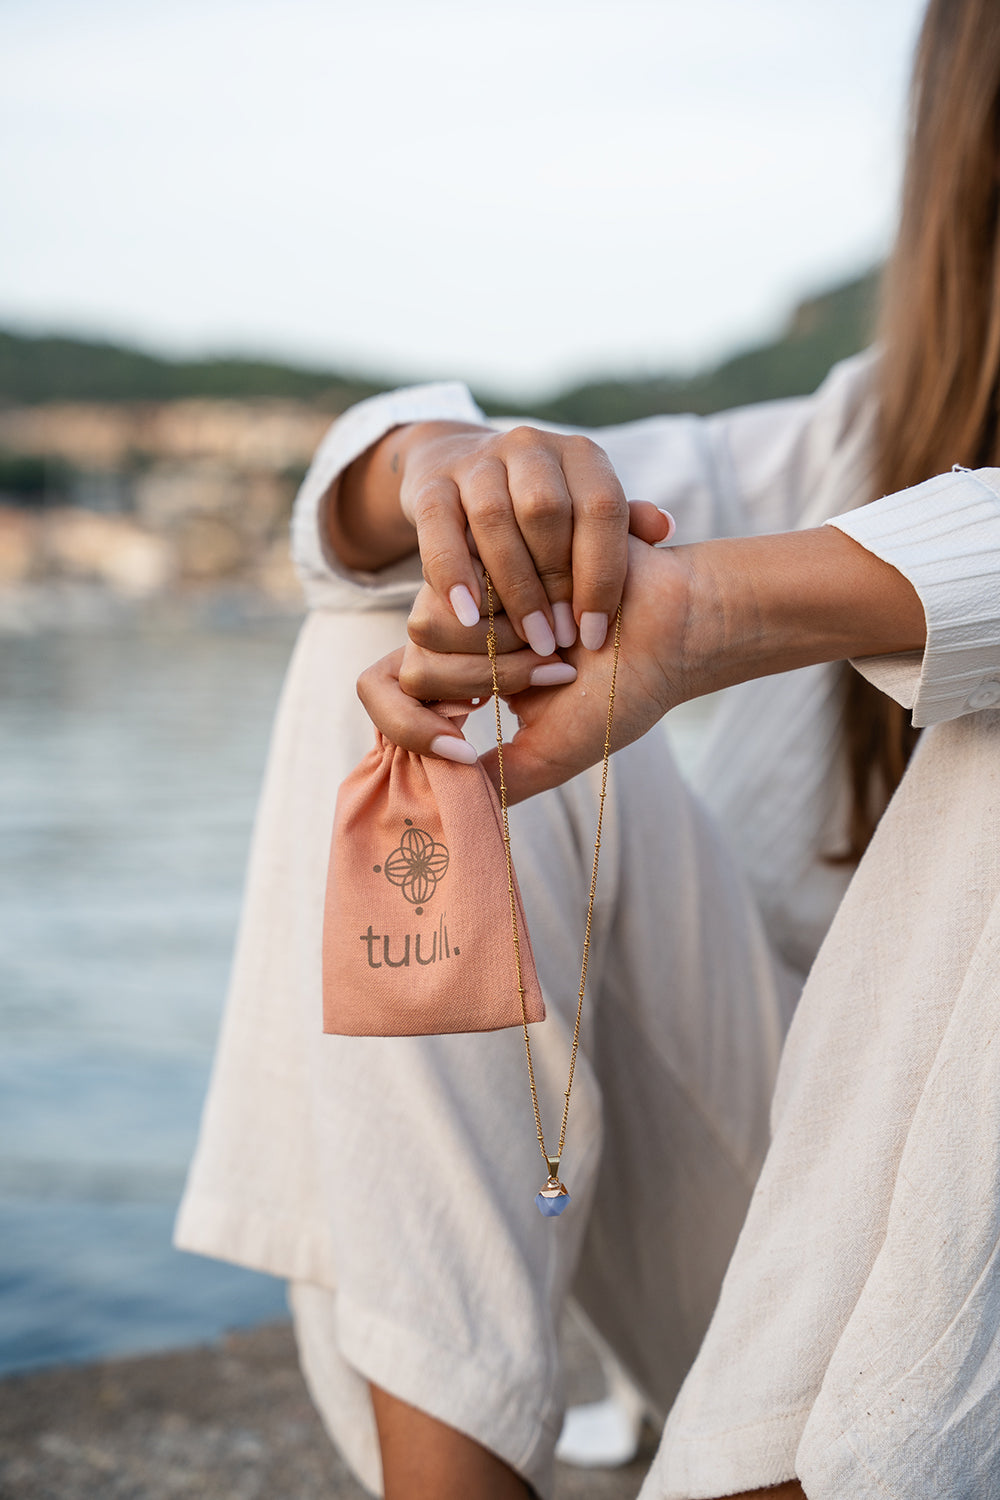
point(562, 613)
point(553, 674)
point(538, 633)
point(449, 747)
point(465, 607)
point(593, 630)
point(670, 522)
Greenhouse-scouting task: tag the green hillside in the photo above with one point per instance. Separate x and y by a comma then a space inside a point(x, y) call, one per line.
point(52, 368)
point(821, 330)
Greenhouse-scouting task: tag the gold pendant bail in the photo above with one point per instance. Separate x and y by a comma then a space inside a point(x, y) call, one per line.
point(553, 1162)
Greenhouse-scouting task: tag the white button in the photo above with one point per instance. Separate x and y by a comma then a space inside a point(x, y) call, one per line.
point(985, 696)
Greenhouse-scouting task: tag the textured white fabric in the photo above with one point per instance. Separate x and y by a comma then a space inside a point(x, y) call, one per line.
point(448, 1282)
point(944, 535)
point(399, 1174)
point(392, 1180)
point(856, 1339)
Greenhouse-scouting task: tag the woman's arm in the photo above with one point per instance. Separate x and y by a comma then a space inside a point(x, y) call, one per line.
point(737, 473)
point(695, 619)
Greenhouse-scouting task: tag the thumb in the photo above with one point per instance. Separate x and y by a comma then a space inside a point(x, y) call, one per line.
point(649, 523)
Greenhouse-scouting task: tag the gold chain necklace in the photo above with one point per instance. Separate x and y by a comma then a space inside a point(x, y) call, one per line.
point(553, 1197)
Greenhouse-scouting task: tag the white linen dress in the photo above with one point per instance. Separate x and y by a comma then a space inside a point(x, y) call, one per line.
point(854, 1340)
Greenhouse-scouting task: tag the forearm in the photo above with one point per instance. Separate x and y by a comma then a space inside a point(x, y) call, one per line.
point(695, 619)
point(769, 604)
point(364, 521)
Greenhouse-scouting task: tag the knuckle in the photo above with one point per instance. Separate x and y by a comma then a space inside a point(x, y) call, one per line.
point(484, 471)
point(602, 580)
point(554, 573)
point(363, 686)
point(511, 678)
point(429, 498)
point(411, 679)
point(521, 437)
point(606, 506)
point(420, 629)
point(523, 598)
point(417, 630)
point(436, 562)
point(580, 447)
point(421, 609)
point(490, 511)
point(540, 505)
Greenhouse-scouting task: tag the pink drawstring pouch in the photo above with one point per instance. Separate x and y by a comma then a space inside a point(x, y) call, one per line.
point(417, 936)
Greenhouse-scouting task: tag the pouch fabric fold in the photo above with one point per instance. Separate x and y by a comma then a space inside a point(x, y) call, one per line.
point(417, 935)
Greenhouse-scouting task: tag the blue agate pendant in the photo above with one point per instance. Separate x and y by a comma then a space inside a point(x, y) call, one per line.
point(553, 1197)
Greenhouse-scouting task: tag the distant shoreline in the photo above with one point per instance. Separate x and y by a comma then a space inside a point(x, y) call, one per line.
point(53, 606)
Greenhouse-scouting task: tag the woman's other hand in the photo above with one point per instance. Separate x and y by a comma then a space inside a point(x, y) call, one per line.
point(561, 701)
point(694, 619)
point(544, 512)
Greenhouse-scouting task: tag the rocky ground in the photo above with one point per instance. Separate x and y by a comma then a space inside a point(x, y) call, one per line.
point(230, 1422)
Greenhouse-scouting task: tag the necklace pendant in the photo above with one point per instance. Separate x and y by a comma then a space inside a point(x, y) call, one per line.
point(554, 1196)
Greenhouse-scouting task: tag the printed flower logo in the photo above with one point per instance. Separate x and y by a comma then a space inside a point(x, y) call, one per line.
point(417, 865)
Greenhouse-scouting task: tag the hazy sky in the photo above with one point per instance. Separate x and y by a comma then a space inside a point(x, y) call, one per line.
point(516, 192)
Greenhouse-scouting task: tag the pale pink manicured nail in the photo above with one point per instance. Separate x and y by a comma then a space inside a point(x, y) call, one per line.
point(593, 630)
point(553, 674)
point(451, 748)
point(465, 607)
point(670, 521)
point(562, 613)
point(538, 633)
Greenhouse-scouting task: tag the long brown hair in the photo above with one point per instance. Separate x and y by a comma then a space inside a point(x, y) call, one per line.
point(939, 326)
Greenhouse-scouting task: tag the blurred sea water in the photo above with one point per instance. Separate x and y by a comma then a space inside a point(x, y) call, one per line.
point(130, 768)
point(130, 762)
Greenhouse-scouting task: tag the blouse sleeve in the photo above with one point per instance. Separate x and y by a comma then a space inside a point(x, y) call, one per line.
point(944, 536)
point(745, 471)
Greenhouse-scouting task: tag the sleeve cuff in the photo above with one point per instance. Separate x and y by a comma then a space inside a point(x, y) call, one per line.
point(944, 536)
point(325, 580)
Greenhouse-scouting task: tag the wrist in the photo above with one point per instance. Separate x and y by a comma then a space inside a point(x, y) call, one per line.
point(366, 522)
point(768, 604)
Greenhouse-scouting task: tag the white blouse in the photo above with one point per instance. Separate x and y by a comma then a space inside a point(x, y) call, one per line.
point(871, 1131)
point(776, 466)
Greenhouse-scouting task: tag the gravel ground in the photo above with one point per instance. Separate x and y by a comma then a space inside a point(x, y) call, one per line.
point(230, 1422)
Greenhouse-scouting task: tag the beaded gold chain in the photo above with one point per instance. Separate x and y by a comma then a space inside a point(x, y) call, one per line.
point(553, 1197)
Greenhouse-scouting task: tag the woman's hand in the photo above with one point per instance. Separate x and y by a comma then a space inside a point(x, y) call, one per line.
point(694, 619)
point(562, 705)
point(546, 516)
point(544, 512)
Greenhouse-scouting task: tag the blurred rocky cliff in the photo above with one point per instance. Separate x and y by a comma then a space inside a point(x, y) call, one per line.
point(129, 480)
point(145, 498)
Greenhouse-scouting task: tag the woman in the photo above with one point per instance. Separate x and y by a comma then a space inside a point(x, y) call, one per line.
point(850, 1349)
